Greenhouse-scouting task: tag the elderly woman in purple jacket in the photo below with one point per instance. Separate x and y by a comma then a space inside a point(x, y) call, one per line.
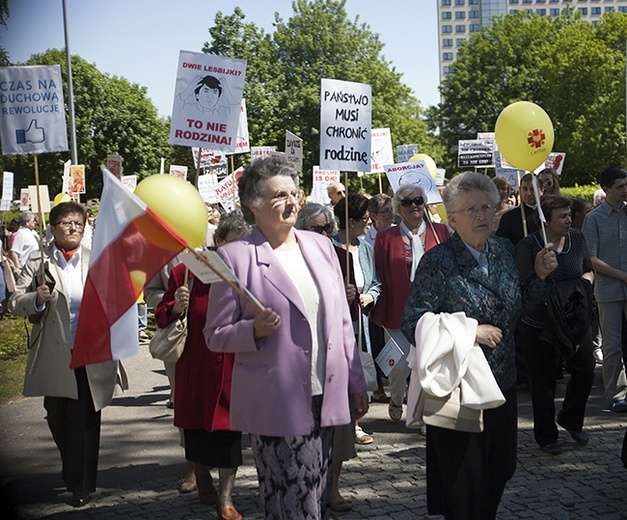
point(296, 361)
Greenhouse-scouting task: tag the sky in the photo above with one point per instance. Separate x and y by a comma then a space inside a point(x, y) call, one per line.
point(140, 40)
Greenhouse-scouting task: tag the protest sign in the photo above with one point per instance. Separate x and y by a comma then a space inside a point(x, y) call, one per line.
point(32, 108)
point(67, 166)
point(475, 153)
point(242, 144)
point(207, 187)
point(345, 125)
point(261, 151)
point(381, 152)
point(391, 353)
point(404, 152)
point(178, 171)
point(76, 184)
point(208, 157)
point(24, 199)
point(440, 175)
point(555, 161)
point(34, 198)
point(207, 96)
point(294, 150)
point(129, 181)
point(503, 168)
point(7, 186)
point(322, 179)
point(413, 173)
point(226, 190)
point(114, 165)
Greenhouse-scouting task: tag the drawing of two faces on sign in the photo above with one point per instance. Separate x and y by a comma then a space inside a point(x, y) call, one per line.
point(209, 95)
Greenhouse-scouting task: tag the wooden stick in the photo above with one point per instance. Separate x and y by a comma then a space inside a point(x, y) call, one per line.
point(42, 229)
point(348, 267)
point(198, 167)
point(522, 205)
point(242, 291)
point(380, 184)
point(428, 217)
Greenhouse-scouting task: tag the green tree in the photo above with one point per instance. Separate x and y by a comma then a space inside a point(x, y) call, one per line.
point(113, 116)
point(573, 70)
point(284, 72)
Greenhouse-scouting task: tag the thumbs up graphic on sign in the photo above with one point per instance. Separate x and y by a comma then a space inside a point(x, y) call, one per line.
point(33, 134)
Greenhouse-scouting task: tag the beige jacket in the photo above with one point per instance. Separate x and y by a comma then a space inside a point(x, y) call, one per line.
point(48, 370)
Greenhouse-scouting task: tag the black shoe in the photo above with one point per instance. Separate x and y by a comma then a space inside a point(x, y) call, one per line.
point(619, 406)
point(580, 437)
point(80, 499)
point(552, 449)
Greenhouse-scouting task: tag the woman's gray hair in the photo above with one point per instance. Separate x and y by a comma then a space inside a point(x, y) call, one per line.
point(466, 182)
point(309, 211)
point(24, 217)
point(252, 182)
point(232, 222)
point(405, 191)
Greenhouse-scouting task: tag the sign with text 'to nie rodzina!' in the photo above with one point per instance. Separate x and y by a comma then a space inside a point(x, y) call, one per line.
point(207, 101)
point(345, 125)
point(32, 114)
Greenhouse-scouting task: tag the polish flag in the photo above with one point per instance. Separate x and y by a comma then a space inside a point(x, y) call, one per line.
point(131, 245)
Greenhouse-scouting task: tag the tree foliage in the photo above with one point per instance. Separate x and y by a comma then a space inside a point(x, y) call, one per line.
point(572, 69)
point(113, 116)
point(284, 70)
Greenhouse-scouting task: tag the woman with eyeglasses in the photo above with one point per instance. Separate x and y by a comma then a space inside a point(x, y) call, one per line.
point(73, 399)
point(473, 273)
point(397, 252)
point(548, 182)
point(296, 361)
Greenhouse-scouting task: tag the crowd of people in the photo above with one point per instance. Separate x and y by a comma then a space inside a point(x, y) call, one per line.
point(496, 296)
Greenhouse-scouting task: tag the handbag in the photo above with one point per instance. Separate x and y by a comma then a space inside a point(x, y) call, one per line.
point(168, 343)
point(448, 412)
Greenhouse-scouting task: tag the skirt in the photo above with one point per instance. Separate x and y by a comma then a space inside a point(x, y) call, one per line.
point(218, 449)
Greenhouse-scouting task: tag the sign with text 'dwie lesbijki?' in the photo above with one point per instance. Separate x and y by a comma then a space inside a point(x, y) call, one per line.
point(345, 125)
point(207, 101)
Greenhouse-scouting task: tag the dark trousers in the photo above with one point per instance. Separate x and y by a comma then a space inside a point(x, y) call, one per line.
point(75, 427)
point(543, 360)
point(467, 472)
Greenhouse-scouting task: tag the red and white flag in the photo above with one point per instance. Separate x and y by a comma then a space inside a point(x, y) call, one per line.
point(131, 245)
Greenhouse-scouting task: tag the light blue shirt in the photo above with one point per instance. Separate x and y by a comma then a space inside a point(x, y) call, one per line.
point(481, 258)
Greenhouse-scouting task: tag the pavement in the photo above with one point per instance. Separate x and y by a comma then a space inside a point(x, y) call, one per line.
point(141, 465)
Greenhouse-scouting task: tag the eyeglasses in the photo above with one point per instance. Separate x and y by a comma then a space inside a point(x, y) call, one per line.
point(327, 228)
point(473, 211)
point(68, 223)
point(546, 182)
point(418, 201)
point(282, 196)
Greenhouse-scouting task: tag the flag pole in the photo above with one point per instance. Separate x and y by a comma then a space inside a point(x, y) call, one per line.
point(70, 88)
point(42, 228)
point(243, 292)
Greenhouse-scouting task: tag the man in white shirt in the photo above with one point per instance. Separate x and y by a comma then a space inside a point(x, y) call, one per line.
point(26, 240)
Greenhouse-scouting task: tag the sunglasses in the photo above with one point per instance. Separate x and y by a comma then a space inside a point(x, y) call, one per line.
point(327, 228)
point(418, 201)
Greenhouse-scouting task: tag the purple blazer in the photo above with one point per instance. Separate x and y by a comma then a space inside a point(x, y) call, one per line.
point(271, 386)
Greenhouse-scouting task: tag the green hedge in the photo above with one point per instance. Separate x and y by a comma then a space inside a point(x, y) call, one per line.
point(580, 192)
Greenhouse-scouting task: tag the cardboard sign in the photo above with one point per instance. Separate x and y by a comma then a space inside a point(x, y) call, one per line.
point(345, 126)
point(7, 186)
point(207, 101)
point(404, 152)
point(129, 181)
point(76, 184)
point(243, 139)
point(178, 171)
point(294, 150)
point(381, 152)
point(257, 152)
point(414, 173)
point(475, 153)
point(207, 187)
point(33, 111)
point(555, 161)
point(42, 196)
point(114, 165)
point(322, 179)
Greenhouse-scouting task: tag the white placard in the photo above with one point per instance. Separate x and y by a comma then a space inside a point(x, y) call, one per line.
point(261, 151)
point(34, 198)
point(475, 153)
point(381, 152)
point(345, 125)
point(207, 98)
point(205, 274)
point(66, 177)
point(33, 111)
point(294, 150)
point(504, 169)
point(390, 354)
point(5, 205)
point(7, 186)
point(130, 182)
point(207, 187)
point(322, 179)
point(114, 165)
point(555, 161)
point(242, 144)
point(24, 199)
point(226, 190)
point(178, 171)
point(414, 173)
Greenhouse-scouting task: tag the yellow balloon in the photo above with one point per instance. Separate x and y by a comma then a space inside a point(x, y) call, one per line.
point(178, 204)
point(61, 197)
point(524, 135)
point(429, 163)
point(442, 213)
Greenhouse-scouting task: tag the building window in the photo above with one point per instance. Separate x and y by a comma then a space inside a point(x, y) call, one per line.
point(447, 56)
point(513, 11)
point(473, 14)
point(460, 2)
point(526, 1)
point(460, 28)
point(447, 70)
point(541, 12)
point(447, 42)
point(554, 12)
point(540, 1)
point(447, 29)
point(583, 10)
point(595, 10)
point(609, 9)
point(474, 27)
point(473, 2)
point(622, 9)
point(554, 1)
point(460, 15)
point(459, 42)
point(446, 2)
point(529, 11)
point(446, 15)
point(513, 1)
